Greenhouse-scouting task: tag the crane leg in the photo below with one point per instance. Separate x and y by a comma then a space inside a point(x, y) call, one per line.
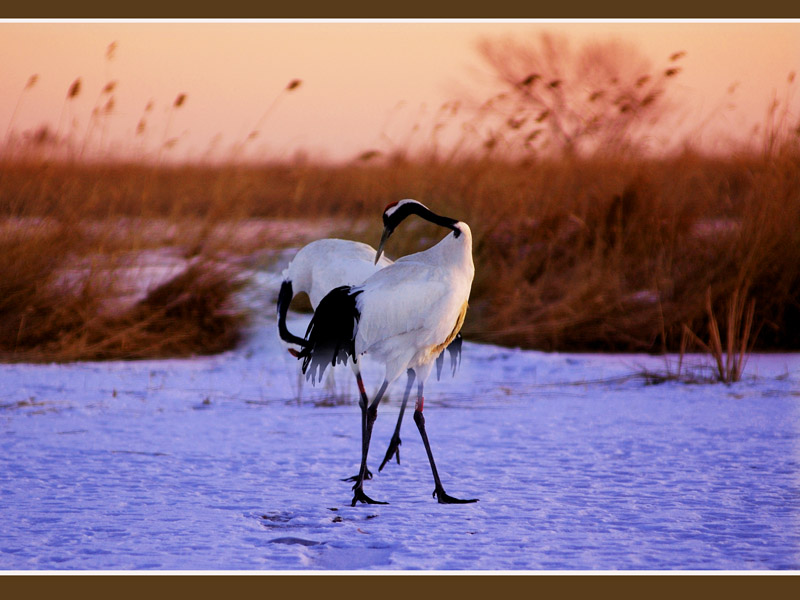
point(368, 416)
point(394, 443)
point(438, 492)
point(362, 403)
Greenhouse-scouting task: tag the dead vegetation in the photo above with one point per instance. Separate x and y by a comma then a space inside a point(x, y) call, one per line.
point(579, 254)
point(592, 246)
point(44, 319)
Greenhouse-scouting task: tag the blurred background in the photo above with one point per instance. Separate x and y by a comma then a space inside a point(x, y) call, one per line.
point(364, 84)
point(631, 186)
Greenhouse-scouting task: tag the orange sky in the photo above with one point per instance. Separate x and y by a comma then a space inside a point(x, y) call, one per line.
point(364, 83)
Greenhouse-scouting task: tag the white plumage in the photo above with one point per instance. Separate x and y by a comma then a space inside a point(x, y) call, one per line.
point(409, 311)
point(322, 265)
point(403, 316)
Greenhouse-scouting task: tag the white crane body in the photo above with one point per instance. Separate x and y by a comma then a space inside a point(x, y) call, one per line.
point(326, 264)
point(428, 298)
point(402, 316)
point(322, 265)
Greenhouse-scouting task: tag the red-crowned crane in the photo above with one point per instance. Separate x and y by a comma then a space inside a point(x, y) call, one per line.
point(403, 316)
point(323, 265)
point(319, 267)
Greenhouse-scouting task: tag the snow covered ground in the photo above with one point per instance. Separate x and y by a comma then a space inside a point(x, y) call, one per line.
point(227, 463)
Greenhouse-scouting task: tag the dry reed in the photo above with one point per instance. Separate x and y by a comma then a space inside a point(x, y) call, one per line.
point(610, 255)
point(603, 251)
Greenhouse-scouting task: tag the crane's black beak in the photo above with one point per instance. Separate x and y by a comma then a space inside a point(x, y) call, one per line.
point(386, 233)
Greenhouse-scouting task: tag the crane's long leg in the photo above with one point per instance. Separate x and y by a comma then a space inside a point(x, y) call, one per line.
point(363, 400)
point(438, 492)
point(394, 443)
point(368, 416)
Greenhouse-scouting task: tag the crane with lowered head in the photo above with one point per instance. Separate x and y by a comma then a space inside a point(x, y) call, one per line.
point(402, 316)
point(323, 265)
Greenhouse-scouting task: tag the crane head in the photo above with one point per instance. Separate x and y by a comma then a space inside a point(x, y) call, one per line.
point(396, 212)
point(393, 215)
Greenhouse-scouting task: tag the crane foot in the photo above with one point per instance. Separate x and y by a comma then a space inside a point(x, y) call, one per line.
point(360, 496)
point(445, 498)
point(355, 477)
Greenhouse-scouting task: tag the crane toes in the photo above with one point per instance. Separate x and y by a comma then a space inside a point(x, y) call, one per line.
point(368, 475)
point(393, 450)
point(360, 496)
point(444, 498)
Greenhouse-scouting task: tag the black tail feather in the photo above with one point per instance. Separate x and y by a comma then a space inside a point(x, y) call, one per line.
point(330, 338)
point(454, 350)
point(284, 299)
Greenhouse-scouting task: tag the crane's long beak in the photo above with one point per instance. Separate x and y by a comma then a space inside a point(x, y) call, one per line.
point(384, 237)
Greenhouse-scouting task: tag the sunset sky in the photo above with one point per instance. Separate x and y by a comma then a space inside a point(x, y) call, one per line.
point(364, 84)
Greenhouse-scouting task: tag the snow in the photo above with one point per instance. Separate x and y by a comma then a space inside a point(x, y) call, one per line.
point(228, 463)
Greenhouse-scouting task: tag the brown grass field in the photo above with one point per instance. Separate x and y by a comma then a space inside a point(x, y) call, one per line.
point(582, 242)
point(575, 254)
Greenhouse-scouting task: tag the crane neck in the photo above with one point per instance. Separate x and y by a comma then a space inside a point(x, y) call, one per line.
point(405, 208)
point(455, 249)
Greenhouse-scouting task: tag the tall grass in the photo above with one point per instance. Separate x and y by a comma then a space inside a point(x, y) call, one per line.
point(589, 254)
point(730, 359)
point(600, 251)
point(60, 290)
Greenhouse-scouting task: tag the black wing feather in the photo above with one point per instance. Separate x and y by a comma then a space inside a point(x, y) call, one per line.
point(330, 337)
